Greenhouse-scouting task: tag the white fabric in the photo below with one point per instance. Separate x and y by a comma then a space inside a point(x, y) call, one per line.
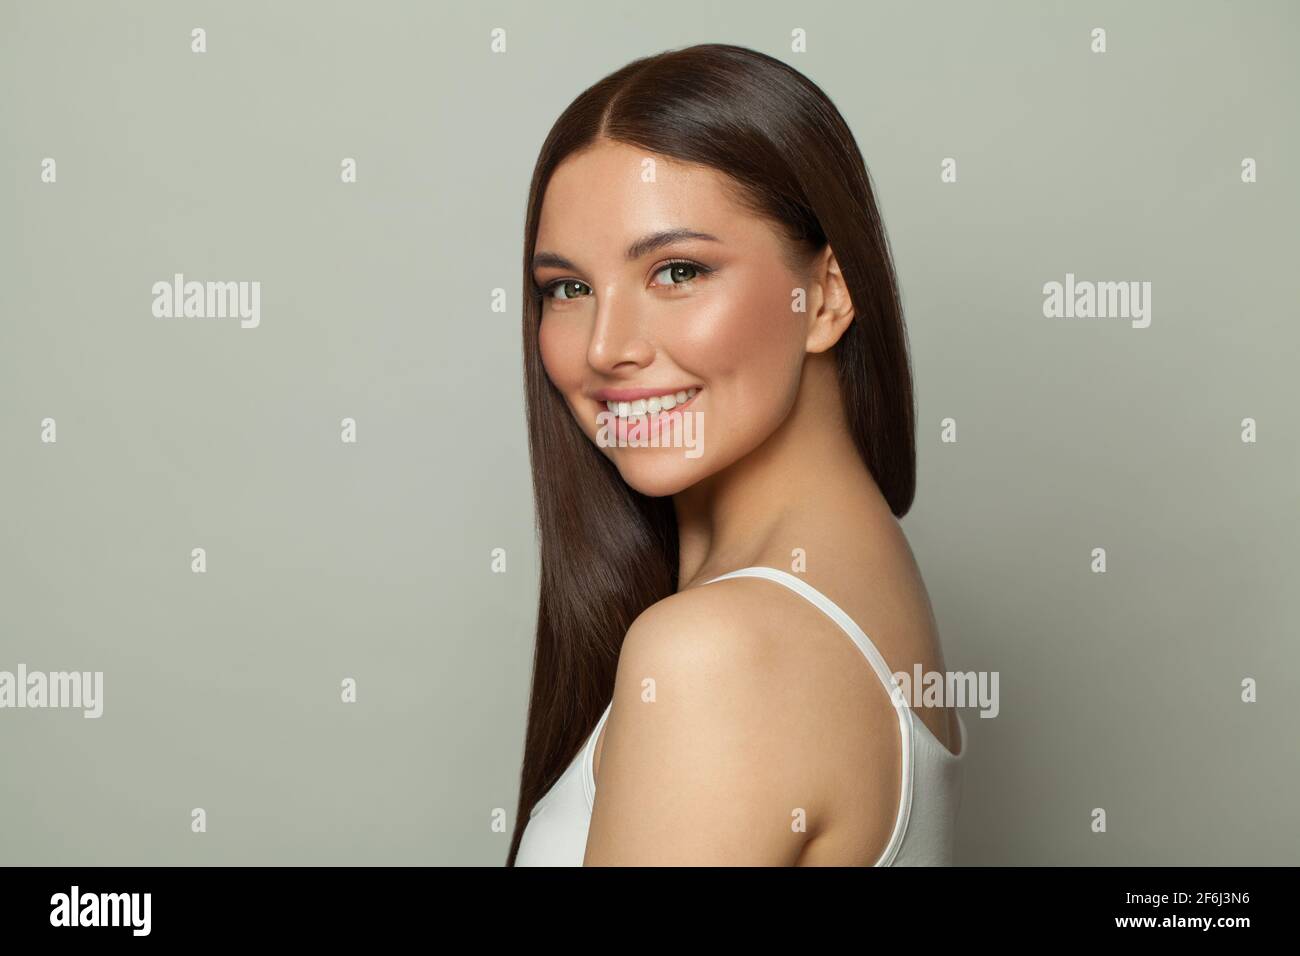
point(556, 834)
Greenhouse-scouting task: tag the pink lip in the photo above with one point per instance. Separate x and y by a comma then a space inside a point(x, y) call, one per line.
point(632, 394)
point(622, 427)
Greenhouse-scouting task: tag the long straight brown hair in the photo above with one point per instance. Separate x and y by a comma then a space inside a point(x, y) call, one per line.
point(608, 552)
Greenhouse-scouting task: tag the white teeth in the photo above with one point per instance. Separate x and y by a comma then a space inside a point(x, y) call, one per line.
point(658, 403)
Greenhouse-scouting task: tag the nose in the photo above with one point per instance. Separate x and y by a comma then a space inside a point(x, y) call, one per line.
point(619, 342)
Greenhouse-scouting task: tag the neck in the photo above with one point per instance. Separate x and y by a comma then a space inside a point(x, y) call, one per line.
point(755, 509)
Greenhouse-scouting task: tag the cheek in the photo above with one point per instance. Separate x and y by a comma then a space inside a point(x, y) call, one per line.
point(563, 348)
point(749, 344)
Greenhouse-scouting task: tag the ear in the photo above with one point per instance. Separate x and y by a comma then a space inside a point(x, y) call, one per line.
point(832, 309)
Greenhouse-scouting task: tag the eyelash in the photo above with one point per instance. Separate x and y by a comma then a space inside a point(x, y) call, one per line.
point(702, 270)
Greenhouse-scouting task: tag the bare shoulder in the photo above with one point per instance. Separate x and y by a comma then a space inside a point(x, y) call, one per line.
point(706, 754)
point(706, 656)
point(701, 626)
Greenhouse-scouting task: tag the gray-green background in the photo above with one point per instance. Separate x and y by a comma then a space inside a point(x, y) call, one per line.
point(371, 560)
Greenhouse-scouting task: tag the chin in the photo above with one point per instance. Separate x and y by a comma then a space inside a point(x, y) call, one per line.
point(659, 472)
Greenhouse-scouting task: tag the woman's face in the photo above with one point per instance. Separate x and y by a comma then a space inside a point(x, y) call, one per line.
point(626, 315)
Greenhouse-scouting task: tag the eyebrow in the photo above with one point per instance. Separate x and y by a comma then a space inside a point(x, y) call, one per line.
point(643, 246)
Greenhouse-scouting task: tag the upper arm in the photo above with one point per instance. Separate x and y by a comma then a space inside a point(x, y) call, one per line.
point(699, 764)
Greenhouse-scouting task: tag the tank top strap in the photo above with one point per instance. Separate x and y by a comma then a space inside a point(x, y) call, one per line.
point(906, 727)
point(831, 610)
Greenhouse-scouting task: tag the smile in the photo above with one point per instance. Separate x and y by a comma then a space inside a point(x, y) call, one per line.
point(653, 404)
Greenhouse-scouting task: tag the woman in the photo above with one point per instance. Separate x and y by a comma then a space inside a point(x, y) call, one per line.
point(704, 260)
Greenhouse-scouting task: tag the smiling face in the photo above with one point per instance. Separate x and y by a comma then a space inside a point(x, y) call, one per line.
point(652, 289)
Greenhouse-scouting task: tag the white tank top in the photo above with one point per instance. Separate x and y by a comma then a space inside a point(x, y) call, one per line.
point(556, 834)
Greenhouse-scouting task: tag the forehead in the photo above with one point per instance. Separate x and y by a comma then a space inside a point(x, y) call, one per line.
point(613, 193)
